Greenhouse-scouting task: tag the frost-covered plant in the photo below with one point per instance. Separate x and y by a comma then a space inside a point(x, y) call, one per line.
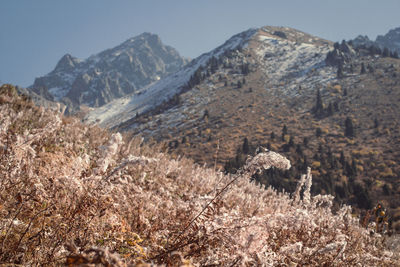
point(74, 193)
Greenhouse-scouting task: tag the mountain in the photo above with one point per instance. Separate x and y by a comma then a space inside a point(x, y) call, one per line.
point(110, 74)
point(391, 41)
point(151, 97)
point(276, 54)
point(332, 106)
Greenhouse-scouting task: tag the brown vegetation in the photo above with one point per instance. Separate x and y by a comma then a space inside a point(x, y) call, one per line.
point(75, 194)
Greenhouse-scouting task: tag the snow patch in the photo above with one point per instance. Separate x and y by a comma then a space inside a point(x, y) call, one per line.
point(58, 92)
point(287, 64)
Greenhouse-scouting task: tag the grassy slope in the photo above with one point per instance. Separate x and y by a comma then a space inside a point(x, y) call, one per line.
point(77, 194)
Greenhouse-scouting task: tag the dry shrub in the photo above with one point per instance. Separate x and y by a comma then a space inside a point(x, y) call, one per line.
point(76, 194)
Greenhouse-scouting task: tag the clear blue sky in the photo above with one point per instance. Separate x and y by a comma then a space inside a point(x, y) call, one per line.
point(35, 34)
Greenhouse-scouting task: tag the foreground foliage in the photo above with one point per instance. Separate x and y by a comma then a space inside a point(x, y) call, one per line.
point(76, 194)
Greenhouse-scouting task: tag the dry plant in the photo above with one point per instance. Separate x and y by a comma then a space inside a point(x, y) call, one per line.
point(78, 195)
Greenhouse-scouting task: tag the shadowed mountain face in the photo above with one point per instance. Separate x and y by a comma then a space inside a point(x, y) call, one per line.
point(110, 74)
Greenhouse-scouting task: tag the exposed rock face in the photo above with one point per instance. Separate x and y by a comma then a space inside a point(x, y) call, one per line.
point(362, 41)
point(391, 40)
point(110, 74)
point(341, 54)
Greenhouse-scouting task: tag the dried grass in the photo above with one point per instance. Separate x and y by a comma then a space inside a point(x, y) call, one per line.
point(78, 195)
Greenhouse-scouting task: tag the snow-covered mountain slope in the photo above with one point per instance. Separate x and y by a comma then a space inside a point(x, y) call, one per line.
point(286, 57)
point(291, 58)
point(120, 110)
point(110, 74)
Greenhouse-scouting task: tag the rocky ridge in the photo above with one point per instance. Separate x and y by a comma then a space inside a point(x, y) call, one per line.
point(283, 57)
point(158, 94)
point(110, 74)
point(391, 40)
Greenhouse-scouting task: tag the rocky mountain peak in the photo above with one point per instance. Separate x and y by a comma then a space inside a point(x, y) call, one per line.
point(150, 38)
point(362, 40)
point(393, 34)
point(391, 41)
point(66, 63)
point(144, 39)
point(110, 74)
point(291, 35)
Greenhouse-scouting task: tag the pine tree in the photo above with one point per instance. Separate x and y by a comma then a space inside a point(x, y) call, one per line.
point(331, 159)
point(349, 170)
point(206, 115)
point(299, 150)
point(291, 141)
point(363, 70)
point(305, 163)
point(330, 109)
point(245, 69)
point(336, 105)
point(354, 167)
point(318, 132)
point(376, 123)
point(319, 106)
point(272, 135)
point(385, 52)
point(305, 141)
point(342, 158)
point(213, 64)
point(349, 128)
point(320, 149)
point(284, 132)
point(245, 146)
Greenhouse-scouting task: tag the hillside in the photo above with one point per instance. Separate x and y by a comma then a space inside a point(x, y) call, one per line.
point(113, 73)
point(76, 194)
point(162, 93)
point(264, 80)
